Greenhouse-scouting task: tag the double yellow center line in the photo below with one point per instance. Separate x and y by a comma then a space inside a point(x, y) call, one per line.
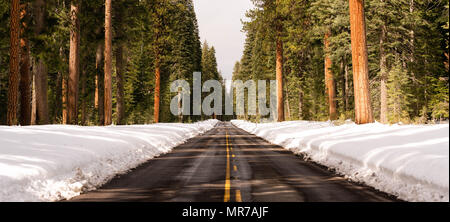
point(228, 174)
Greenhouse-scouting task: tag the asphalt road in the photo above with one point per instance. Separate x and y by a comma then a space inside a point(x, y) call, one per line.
point(229, 164)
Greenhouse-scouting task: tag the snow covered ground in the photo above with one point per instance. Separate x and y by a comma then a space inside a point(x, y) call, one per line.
point(54, 162)
point(408, 161)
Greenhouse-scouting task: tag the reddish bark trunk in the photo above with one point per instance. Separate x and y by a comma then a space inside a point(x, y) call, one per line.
point(14, 69)
point(157, 90)
point(108, 64)
point(363, 106)
point(330, 84)
point(279, 78)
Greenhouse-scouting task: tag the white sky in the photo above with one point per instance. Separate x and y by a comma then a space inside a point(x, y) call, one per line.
point(220, 24)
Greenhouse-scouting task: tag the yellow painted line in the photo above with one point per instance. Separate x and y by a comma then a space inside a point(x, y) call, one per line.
point(233, 156)
point(235, 168)
point(238, 196)
point(226, 197)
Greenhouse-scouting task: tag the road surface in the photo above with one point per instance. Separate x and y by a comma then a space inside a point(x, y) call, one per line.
point(229, 164)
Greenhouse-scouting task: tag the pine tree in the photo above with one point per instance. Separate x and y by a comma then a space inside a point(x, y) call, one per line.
point(398, 99)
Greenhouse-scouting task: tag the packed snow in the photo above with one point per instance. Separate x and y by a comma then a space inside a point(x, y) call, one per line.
point(54, 162)
point(408, 161)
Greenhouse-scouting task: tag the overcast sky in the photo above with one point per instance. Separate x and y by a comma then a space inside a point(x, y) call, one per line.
point(220, 24)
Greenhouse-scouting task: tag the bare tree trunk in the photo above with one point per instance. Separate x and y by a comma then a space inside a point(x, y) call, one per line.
point(343, 84)
point(279, 78)
point(383, 78)
point(347, 88)
point(157, 89)
point(99, 85)
point(25, 75)
point(14, 62)
point(74, 63)
point(329, 81)
point(83, 98)
point(108, 63)
point(33, 100)
point(58, 97)
point(288, 107)
point(120, 70)
point(40, 68)
point(363, 105)
point(279, 69)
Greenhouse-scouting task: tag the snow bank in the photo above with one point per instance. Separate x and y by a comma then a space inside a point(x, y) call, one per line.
point(54, 162)
point(410, 161)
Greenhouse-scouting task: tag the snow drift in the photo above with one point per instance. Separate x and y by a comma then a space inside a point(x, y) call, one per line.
point(54, 162)
point(410, 161)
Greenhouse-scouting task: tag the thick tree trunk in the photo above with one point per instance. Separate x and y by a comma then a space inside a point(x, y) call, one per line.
point(74, 63)
point(157, 89)
point(25, 76)
point(120, 70)
point(363, 106)
point(40, 68)
point(14, 62)
point(330, 84)
point(108, 63)
point(383, 78)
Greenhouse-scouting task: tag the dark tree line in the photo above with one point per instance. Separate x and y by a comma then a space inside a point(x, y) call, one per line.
point(96, 62)
point(406, 42)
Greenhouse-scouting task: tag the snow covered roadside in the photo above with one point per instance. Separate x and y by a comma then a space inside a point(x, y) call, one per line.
point(54, 162)
point(410, 161)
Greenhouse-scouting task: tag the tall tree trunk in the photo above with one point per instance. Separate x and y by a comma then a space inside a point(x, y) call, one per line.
point(329, 81)
point(108, 63)
point(344, 84)
point(288, 107)
point(33, 100)
point(279, 78)
point(83, 98)
point(99, 85)
point(383, 77)
point(14, 62)
point(58, 97)
point(40, 67)
point(347, 87)
point(120, 70)
point(25, 75)
point(279, 68)
point(363, 105)
point(157, 89)
point(74, 63)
